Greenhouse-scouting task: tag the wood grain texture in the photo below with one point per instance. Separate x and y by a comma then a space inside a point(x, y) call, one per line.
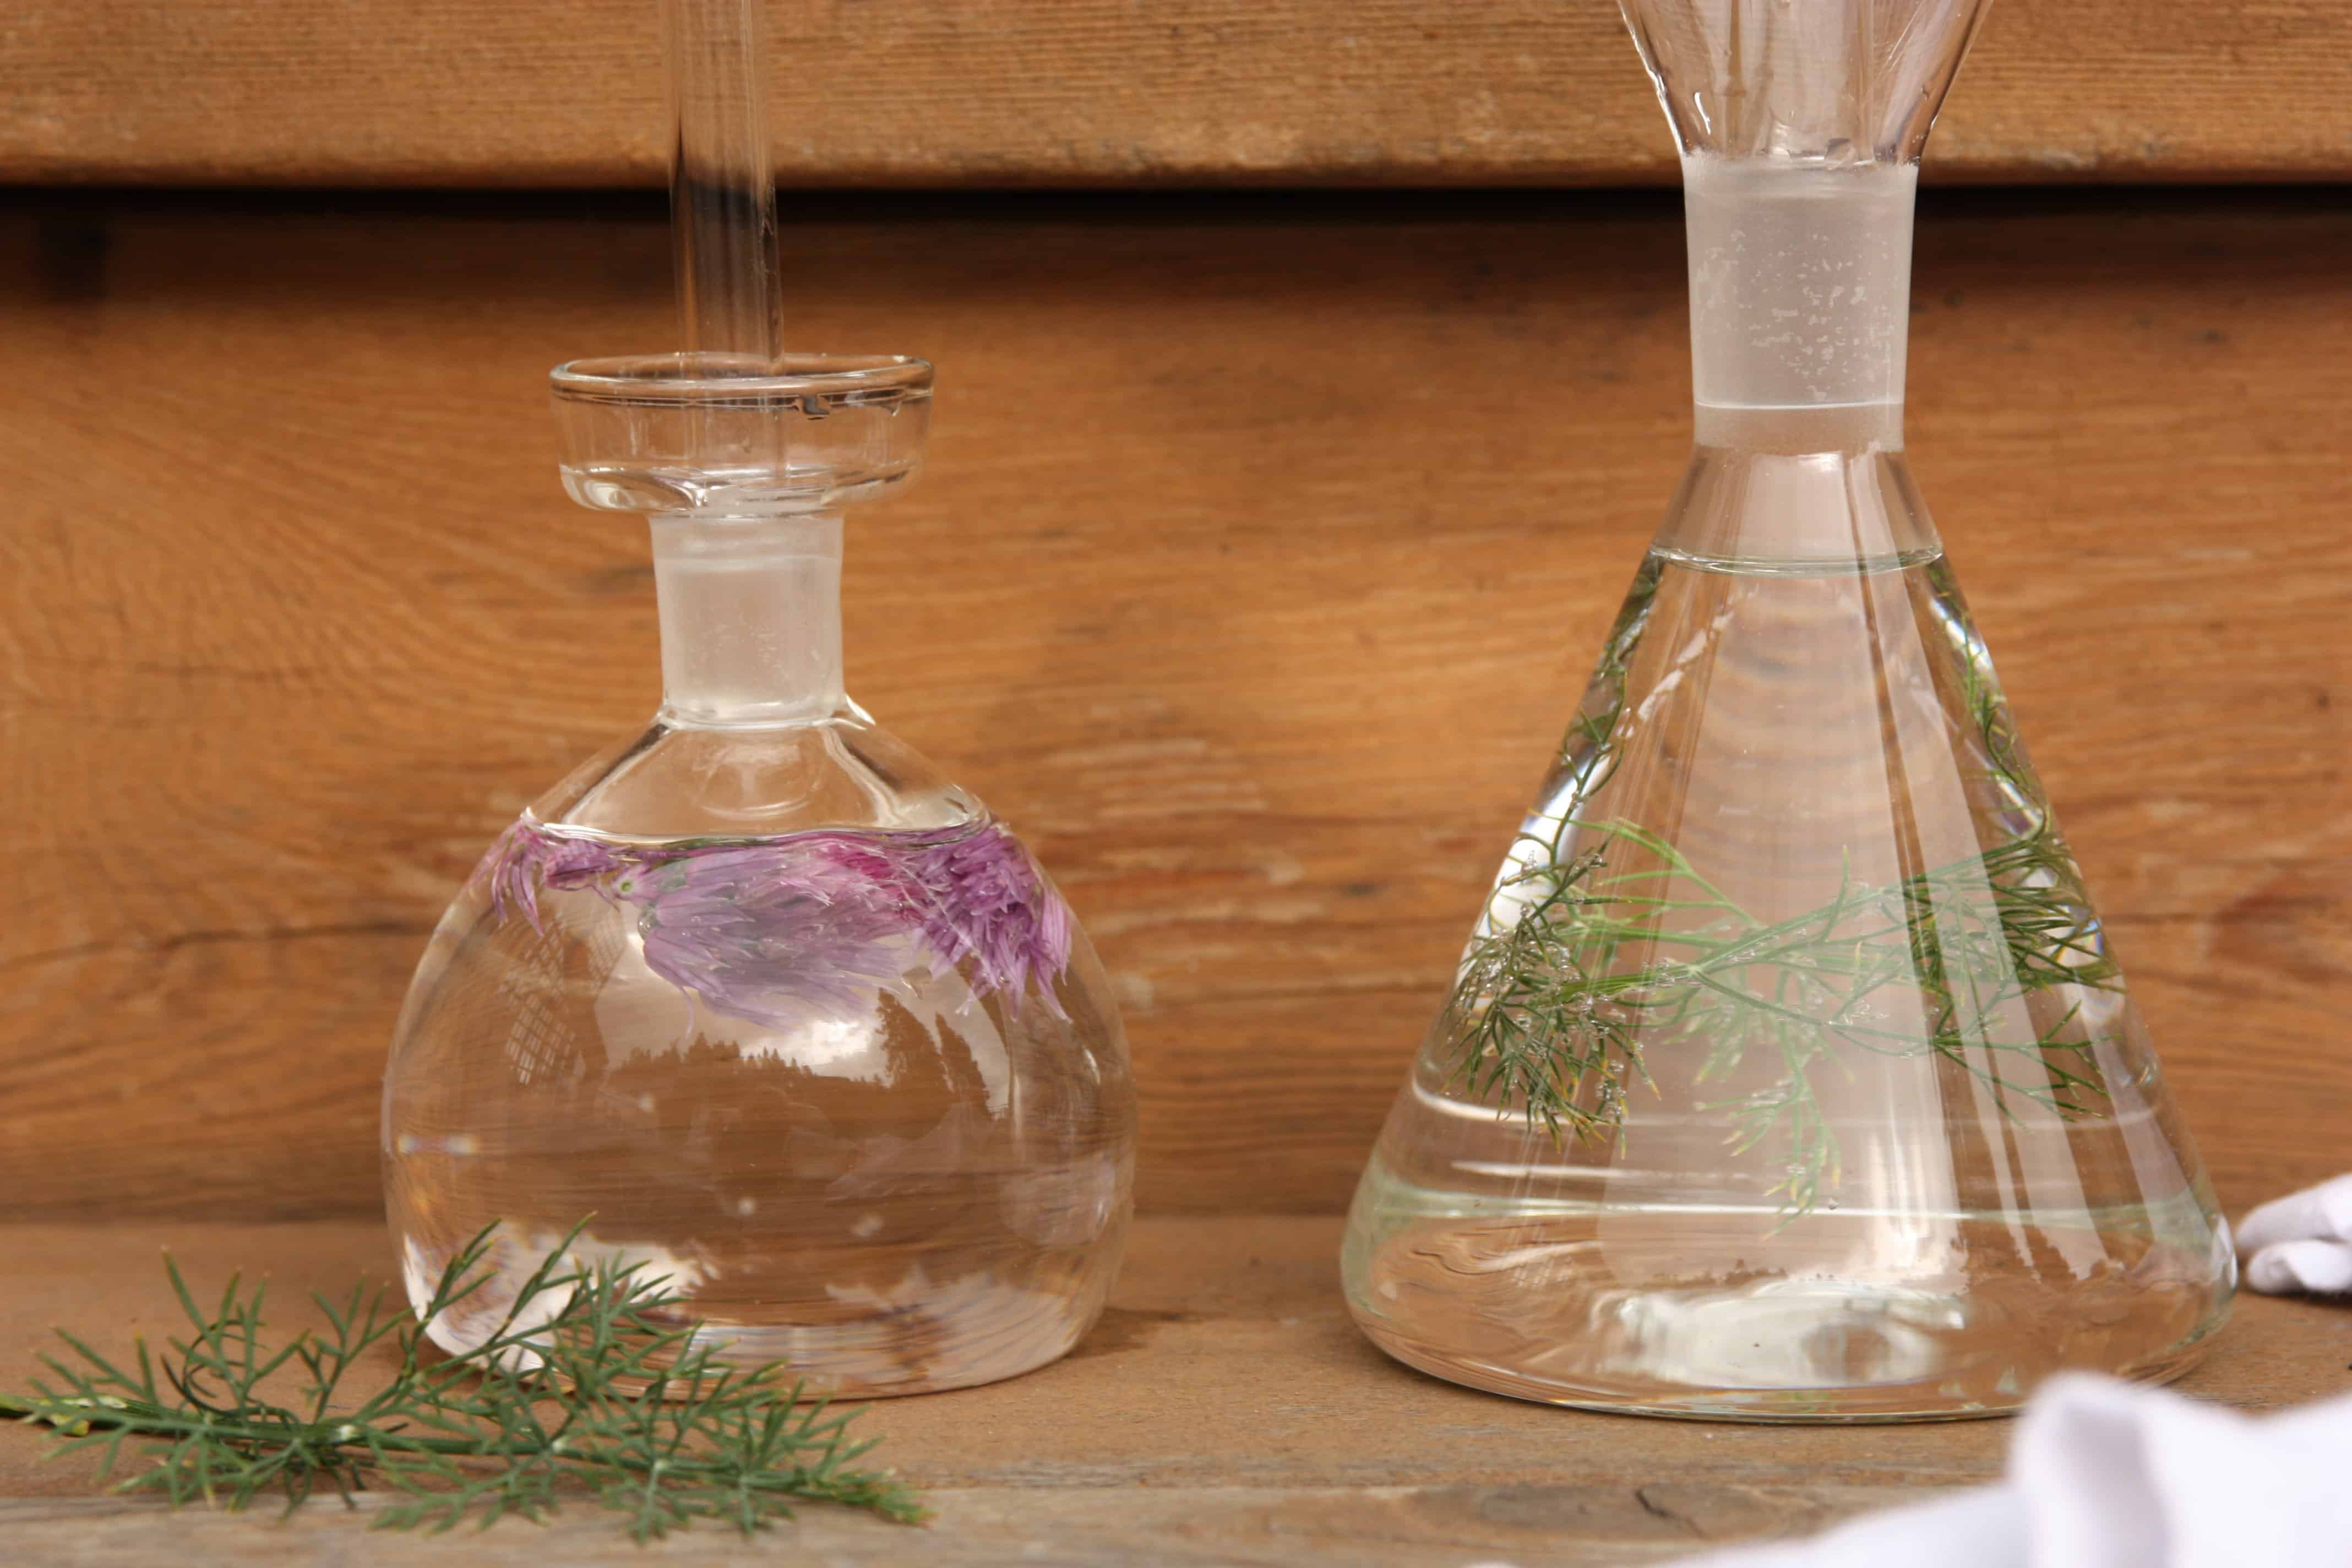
point(1224, 1411)
point(1262, 554)
point(1098, 93)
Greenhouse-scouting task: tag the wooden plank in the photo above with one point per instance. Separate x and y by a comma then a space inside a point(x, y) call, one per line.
point(1224, 1411)
point(1096, 93)
point(1262, 554)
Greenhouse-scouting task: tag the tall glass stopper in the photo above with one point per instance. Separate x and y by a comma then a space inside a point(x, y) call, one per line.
point(723, 194)
point(1788, 1073)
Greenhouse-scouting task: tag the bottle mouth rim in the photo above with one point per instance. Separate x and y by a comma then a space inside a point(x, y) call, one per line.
point(671, 380)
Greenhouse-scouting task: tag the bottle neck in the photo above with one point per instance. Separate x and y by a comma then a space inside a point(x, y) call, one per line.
point(751, 618)
point(1800, 290)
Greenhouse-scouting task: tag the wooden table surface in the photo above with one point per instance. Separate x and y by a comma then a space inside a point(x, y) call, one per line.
point(1225, 1410)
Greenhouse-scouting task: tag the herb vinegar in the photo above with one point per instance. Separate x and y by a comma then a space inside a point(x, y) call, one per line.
point(1788, 1073)
point(797, 1023)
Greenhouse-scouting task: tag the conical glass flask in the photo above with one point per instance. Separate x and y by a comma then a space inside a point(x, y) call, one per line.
point(1788, 1074)
point(775, 1008)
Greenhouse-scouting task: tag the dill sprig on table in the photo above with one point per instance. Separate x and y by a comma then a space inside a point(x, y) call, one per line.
point(1575, 968)
point(587, 1385)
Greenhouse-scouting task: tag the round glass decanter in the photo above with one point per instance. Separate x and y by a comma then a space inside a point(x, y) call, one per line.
point(776, 1009)
point(1788, 1074)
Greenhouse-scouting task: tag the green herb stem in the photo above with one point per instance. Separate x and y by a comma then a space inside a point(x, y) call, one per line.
point(585, 1383)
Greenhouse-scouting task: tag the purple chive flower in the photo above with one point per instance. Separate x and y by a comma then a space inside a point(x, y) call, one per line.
point(774, 932)
point(980, 898)
point(528, 857)
point(769, 932)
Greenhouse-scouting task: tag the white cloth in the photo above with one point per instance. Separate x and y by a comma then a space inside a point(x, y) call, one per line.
point(2105, 1474)
point(2302, 1243)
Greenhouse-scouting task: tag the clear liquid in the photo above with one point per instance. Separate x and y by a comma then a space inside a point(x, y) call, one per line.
point(891, 1151)
point(1866, 1143)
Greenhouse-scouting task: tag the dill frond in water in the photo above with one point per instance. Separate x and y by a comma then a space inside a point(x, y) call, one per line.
point(588, 1386)
point(1579, 962)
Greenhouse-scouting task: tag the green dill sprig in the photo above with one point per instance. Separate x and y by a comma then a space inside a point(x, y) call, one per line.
point(1575, 969)
point(588, 1383)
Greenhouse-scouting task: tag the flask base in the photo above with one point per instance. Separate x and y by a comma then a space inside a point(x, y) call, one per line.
point(1529, 1308)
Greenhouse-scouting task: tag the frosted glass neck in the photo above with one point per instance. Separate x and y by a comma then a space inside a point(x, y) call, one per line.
point(751, 618)
point(1800, 296)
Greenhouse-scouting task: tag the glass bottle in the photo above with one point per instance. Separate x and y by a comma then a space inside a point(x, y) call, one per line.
point(1788, 1074)
point(778, 1010)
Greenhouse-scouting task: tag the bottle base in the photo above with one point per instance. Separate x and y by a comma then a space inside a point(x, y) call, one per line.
point(884, 1358)
point(852, 1322)
point(873, 1360)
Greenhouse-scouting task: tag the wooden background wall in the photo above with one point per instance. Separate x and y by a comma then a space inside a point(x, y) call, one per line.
point(1264, 547)
point(1114, 93)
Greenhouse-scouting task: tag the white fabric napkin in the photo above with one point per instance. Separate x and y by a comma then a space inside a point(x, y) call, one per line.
point(2302, 1243)
point(2107, 1473)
